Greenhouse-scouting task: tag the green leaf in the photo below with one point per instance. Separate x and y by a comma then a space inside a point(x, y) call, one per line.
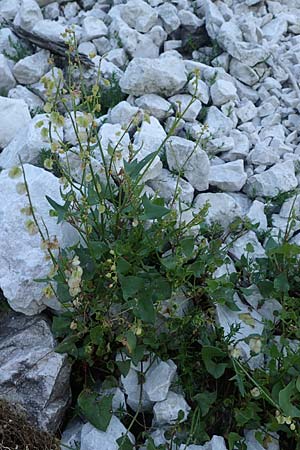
point(62, 210)
point(123, 366)
point(131, 341)
point(187, 246)
point(124, 443)
point(145, 309)
point(61, 325)
point(97, 335)
point(134, 168)
point(68, 346)
point(209, 353)
point(205, 400)
point(152, 210)
point(130, 285)
point(97, 411)
point(286, 396)
point(234, 438)
point(123, 267)
point(281, 283)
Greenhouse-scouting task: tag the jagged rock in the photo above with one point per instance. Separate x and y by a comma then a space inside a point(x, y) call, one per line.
point(93, 28)
point(7, 80)
point(92, 438)
point(228, 177)
point(240, 246)
point(71, 436)
point(32, 373)
point(263, 155)
point(279, 178)
point(22, 93)
point(123, 113)
point(222, 92)
point(223, 209)
point(170, 186)
point(21, 258)
point(250, 323)
point(168, 14)
point(253, 444)
point(28, 15)
point(139, 15)
point(155, 105)
point(149, 139)
point(167, 410)
point(114, 145)
point(186, 106)
point(256, 215)
point(29, 70)
point(189, 20)
point(162, 76)
point(218, 124)
point(158, 380)
point(199, 89)
point(14, 115)
point(49, 29)
point(188, 159)
point(28, 143)
point(243, 72)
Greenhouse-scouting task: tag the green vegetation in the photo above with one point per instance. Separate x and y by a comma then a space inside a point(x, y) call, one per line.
point(119, 284)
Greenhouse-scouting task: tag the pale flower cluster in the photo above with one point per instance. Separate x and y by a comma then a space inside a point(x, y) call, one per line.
point(74, 275)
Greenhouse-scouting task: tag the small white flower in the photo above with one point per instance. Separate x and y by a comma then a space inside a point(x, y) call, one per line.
point(255, 345)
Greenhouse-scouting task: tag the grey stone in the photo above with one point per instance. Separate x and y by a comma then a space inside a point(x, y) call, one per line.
point(223, 209)
point(222, 92)
point(139, 15)
point(168, 14)
point(29, 70)
point(199, 89)
point(168, 185)
point(159, 379)
point(243, 72)
point(7, 80)
point(167, 411)
point(256, 215)
point(188, 159)
point(92, 438)
point(186, 106)
point(93, 28)
point(14, 115)
point(279, 178)
point(155, 105)
point(32, 374)
point(228, 177)
point(22, 260)
point(28, 15)
point(162, 76)
point(218, 124)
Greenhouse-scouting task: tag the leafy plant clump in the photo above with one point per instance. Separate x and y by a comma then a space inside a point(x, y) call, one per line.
point(139, 283)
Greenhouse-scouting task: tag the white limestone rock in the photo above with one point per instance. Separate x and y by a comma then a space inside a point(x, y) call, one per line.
point(32, 374)
point(199, 89)
point(21, 258)
point(243, 72)
point(169, 16)
point(250, 322)
point(7, 80)
point(159, 379)
point(166, 412)
point(22, 93)
point(279, 178)
point(7, 38)
point(29, 70)
point(213, 19)
point(92, 438)
point(218, 124)
point(189, 20)
point(28, 143)
point(28, 15)
point(263, 155)
point(188, 159)
point(222, 91)
point(139, 15)
point(123, 113)
point(239, 246)
point(240, 148)
point(155, 105)
point(168, 185)
point(253, 444)
point(256, 215)
point(14, 115)
point(230, 39)
point(93, 28)
point(9, 8)
point(246, 111)
point(228, 177)
point(71, 435)
point(223, 208)
point(291, 204)
point(149, 139)
point(186, 106)
point(162, 76)
point(114, 145)
point(49, 30)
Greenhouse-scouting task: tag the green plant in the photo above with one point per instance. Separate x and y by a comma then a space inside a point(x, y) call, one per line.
point(123, 284)
point(18, 51)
